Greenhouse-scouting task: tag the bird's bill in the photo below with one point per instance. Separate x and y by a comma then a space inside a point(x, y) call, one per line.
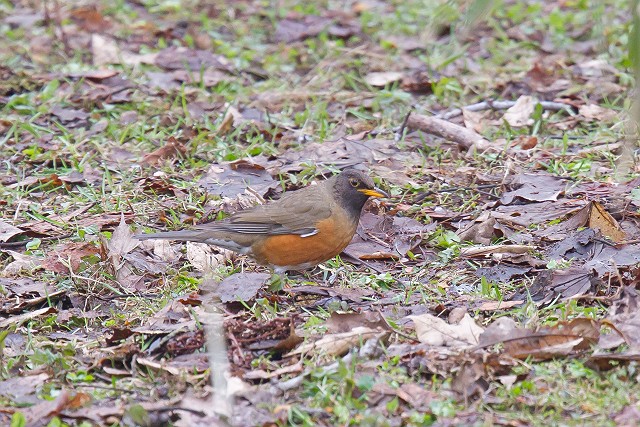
point(376, 192)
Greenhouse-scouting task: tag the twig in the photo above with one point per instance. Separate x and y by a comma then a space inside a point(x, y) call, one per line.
point(21, 243)
point(57, 21)
point(400, 132)
point(466, 138)
point(625, 242)
point(420, 197)
point(179, 408)
point(391, 328)
point(297, 381)
point(503, 105)
point(598, 298)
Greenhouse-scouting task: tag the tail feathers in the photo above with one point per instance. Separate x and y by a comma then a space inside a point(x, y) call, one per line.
point(182, 235)
point(199, 237)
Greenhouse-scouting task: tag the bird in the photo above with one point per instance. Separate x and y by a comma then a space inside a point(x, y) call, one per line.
point(300, 230)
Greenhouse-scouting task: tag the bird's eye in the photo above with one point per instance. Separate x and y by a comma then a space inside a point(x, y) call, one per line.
point(353, 182)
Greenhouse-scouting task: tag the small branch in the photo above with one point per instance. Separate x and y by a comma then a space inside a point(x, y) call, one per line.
point(19, 244)
point(392, 329)
point(466, 138)
point(400, 132)
point(421, 196)
point(503, 105)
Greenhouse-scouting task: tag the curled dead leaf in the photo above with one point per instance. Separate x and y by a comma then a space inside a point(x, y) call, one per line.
point(437, 332)
point(340, 343)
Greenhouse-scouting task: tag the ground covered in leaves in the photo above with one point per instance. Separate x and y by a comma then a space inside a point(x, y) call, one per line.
point(497, 286)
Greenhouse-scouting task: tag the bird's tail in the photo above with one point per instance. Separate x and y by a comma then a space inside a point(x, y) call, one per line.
point(181, 235)
point(199, 236)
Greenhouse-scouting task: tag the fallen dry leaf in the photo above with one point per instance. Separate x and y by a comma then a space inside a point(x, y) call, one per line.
point(120, 244)
point(535, 187)
point(438, 332)
point(20, 262)
point(340, 343)
point(381, 79)
point(170, 150)
point(345, 322)
point(67, 257)
point(260, 374)
point(520, 114)
point(7, 231)
point(498, 305)
point(232, 179)
point(543, 343)
point(595, 112)
point(22, 389)
point(18, 319)
point(20, 293)
point(241, 286)
point(483, 251)
point(600, 219)
point(206, 258)
point(624, 315)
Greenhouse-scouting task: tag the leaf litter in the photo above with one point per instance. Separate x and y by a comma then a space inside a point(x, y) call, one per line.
point(552, 230)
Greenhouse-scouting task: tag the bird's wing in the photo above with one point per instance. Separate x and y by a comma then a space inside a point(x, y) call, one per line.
point(297, 213)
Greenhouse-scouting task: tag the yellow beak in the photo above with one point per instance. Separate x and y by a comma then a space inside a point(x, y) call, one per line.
point(376, 192)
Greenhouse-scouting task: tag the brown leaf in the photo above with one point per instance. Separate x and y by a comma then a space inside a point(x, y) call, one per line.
point(69, 255)
point(122, 241)
point(50, 181)
point(170, 150)
point(206, 258)
point(292, 30)
point(120, 244)
point(535, 187)
point(470, 380)
point(194, 60)
point(600, 219)
point(241, 286)
point(624, 315)
point(260, 374)
point(67, 115)
point(21, 293)
point(18, 319)
point(344, 322)
point(502, 272)
point(105, 50)
point(7, 231)
point(544, 343)
point(629, 416)
point(476, 120)
point(232, 179)
point(593, 112)
point(525, 142)
point(90, 19)
point(20, 262)
point(565, 284)
point(484, 251)
point(37, 414)
point(209, 77)
point(22, 389)
point(592, 215)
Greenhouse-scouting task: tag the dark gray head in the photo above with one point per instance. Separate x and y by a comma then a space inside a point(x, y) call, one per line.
point(352, 188)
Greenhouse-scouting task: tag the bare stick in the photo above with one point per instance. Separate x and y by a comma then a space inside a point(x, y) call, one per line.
point(503, 105)
point(466, 138)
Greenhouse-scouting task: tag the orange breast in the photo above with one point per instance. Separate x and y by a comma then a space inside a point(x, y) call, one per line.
point(290, 250)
